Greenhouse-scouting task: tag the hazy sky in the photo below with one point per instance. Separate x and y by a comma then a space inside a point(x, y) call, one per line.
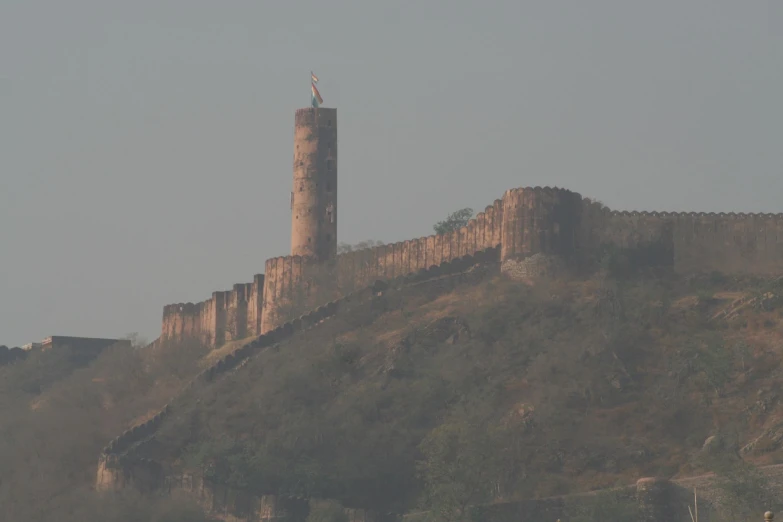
point(146, 147)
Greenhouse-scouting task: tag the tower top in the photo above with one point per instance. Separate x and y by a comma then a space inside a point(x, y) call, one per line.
point(312, 116)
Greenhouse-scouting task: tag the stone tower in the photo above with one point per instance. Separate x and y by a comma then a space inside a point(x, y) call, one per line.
point(314, 195)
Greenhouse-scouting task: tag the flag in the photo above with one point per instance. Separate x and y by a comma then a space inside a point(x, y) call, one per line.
point(314, 77)
point(317, 100)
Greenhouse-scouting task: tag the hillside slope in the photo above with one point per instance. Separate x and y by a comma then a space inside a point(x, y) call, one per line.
point(58, 410)
point(497, 389)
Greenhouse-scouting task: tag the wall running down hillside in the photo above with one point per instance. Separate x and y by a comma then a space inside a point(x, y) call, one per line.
point(534, 227)
point(117, 469)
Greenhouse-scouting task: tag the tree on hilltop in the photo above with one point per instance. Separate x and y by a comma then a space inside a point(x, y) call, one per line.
point(343, 248)
point(454, 221)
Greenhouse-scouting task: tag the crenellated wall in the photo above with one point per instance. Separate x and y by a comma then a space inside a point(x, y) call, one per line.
point(538, 230)
point(728, 242)
point(398, 259)
point(651, 233)
point(691, 242)
point(283, 289)
point(294, 284)
point(228, 315)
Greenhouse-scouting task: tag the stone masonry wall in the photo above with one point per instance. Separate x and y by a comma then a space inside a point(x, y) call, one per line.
point(728, 242)
point(540, 221)
point(689, 241)
point(526, 222)
point(295, 280)
point(229, 315)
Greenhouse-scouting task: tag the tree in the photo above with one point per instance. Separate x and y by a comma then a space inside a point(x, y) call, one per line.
point(454, 221)
point(343, 248)
point(327, 511)
point(136, 340)
point(462, 466)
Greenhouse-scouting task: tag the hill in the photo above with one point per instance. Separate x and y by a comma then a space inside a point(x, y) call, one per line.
point(59, 408)
point(492, 391)
point(431, 396)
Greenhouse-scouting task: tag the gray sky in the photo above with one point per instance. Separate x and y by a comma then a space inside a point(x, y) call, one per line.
point(146, 147)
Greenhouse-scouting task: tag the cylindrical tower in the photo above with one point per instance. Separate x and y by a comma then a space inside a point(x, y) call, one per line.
point(314, 195)
point(540, 221)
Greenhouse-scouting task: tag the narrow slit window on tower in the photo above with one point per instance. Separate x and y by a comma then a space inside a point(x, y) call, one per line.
point(328, 237)
point(328, 123)
point(328, 186)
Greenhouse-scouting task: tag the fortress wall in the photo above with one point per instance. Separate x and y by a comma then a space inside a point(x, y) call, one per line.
point(234, 504)
point(647, 233)
point(229, 315)
point(219, 332)
point(728, 242)
point(255, 292)
point(294, 284)
point(180, 320)
point(208, 325)
point(285, 289)
point(689, 241)
point(540, 221)
point(544, 225)
point(236, 313)
point(361, 267)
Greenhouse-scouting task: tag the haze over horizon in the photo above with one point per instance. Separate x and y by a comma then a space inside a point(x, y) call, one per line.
point(147, 147)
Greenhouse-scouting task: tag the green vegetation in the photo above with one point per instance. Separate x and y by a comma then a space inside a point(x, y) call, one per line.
point(327, 511)
point(343, 248)
point(59, 408)
point(454, 221)
point(446, 401)
point(740, 486)
point(496, 391)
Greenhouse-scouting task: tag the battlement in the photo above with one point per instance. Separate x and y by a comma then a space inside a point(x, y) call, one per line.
point(537, 230)
point(228, 315)
point(551, 222)
point(310, 116)
point(692, 215)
